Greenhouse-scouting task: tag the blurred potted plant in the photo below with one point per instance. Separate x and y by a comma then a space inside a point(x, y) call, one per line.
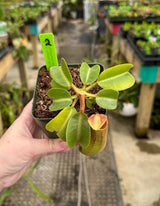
point(12, 100)
point(128, 101)
point(124, 29)
point(76, 98)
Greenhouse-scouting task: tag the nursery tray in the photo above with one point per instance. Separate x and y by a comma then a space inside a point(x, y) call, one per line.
point(132, 19)
point(120, 20)
point(4, 51)
point(58, 176)
point(146, 60)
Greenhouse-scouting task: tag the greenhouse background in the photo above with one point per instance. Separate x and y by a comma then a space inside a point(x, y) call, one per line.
point(110, 33)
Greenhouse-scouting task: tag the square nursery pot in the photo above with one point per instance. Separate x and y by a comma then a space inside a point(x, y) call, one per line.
point(43, 121)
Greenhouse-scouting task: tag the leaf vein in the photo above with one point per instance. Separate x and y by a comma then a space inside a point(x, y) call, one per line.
point(61, 100)
point(64, 124)
point(104, 98)
point(79, 127)
point(113, 77)
point(65, 78)
point(87, 77)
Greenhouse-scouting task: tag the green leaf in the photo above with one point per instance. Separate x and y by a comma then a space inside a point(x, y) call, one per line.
point(89, 102)
point(89, 75)
point(78, 131)
point(58, 76)
point(55, 85)
point(66, 71)
point(59, 123)
point(116, 77)
point(36, 190)
point(107, 98)
point(61, 75)
point(61, 98)
point(5, 194)
point(23, 52)
point(1, 14)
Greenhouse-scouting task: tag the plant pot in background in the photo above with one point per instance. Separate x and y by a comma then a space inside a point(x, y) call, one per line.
point(128, 110)
point(42, 121)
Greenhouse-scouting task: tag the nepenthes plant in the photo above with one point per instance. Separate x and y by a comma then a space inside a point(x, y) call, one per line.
point(75, 127)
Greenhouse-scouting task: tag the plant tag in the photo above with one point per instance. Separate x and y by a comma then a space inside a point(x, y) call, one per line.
point(49, 49)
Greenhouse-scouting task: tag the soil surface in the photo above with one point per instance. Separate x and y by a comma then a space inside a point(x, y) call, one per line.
point(43, 101)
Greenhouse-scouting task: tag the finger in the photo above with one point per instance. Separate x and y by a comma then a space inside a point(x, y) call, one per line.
point(37, 133)
point(26, 119)
point(43, 147)
point(26, 113)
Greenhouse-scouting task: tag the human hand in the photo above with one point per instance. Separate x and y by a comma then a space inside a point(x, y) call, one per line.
point(23, 143)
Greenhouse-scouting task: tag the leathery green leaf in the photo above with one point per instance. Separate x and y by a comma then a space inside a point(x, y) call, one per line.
point(66, 71)
point(78, 131)
point(60, 76)
point(116, 77)
point(59, 123)
point(55, 85)
point(61, 98)
point(89, 74)
point(107, 98)
point(89, 102)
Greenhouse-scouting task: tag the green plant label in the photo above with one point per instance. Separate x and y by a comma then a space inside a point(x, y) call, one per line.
point(49, 49)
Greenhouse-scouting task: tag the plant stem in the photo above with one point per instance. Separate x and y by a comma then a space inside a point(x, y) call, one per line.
point(37, 191)
point(77, 90)
point(33, 167)
point(6, 194)
point(74, 96)
point(91, 86)
point(84, 87)
point(89, 94)
point(75, 101)
point(82, 102)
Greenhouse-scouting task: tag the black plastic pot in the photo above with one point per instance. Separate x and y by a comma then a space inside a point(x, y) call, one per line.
point(123, 33)
point(121, 19)
point(43, 121)
point(4, 51)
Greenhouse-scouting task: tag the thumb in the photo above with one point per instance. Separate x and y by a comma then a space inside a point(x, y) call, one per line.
point(48, 146)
